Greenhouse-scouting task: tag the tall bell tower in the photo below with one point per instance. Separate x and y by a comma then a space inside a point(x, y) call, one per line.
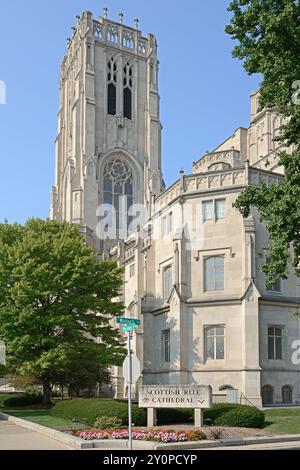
point(109, 131)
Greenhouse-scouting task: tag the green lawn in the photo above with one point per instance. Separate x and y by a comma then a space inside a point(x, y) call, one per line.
point(283, 420)
point(40, 416)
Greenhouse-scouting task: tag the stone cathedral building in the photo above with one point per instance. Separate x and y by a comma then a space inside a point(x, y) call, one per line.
point(192, 263)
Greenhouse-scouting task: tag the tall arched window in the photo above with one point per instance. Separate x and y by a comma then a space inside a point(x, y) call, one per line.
point(127, 90)
point(118, 191)
point(112, 79)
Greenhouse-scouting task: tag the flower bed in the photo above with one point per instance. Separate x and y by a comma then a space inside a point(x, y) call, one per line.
point(160, 435)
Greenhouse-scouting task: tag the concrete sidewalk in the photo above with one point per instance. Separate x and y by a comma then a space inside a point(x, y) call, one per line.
point(13, 437)
point(267, 446)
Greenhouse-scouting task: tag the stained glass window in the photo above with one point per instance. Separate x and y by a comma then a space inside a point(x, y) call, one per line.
point(119, 191)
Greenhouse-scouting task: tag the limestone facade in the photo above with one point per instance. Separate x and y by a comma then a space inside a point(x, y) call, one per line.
point(192, 265)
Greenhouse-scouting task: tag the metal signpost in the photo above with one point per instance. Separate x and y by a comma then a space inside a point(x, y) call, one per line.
point(129, 325)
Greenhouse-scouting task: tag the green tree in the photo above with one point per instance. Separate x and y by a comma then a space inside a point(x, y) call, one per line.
point(268, 36)
point(83, 372)
point(56, 297)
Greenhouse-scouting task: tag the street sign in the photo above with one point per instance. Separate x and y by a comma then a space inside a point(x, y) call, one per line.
point(128, 321)
point(128, 327)
point(136, 368)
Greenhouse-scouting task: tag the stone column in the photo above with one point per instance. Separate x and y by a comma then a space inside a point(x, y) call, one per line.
point(198, 418)
point(151, 417)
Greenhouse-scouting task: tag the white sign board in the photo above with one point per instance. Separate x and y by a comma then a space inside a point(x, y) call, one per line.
point(136, 369)
point(175, 396)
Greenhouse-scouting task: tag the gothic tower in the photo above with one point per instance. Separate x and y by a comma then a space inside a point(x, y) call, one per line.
point(109, 131)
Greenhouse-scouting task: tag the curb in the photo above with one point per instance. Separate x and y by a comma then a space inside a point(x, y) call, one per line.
point(113, 444)
point(62, 437)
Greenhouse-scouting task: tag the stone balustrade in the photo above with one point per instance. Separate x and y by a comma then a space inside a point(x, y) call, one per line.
point(218, 161)
point(216, 180)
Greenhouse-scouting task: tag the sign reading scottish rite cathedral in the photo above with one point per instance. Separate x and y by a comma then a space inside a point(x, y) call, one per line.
point(197, 397)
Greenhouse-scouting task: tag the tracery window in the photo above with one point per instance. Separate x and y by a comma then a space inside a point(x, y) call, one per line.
point(127, 90)
point(128, 39)
point(118, 191)
point(113, 34)
point(98, 32)
point(112, 78)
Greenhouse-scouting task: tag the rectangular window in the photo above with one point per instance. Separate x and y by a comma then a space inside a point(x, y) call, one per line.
point(213, 210)
point(167, 282)
point(166, 225)
point(214, 273)
point(131, 270)
point(215, 342)
point(166, 345)
point(208, 210)
point(220, 208)
point(274, 342)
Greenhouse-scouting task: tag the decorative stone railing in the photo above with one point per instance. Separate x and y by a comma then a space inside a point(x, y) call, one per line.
point(226, 179)
point(167, 196)
point(230, 157)
point(121, 36)
point(258, 176)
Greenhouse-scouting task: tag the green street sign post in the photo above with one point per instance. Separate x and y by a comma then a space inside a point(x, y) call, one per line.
point(129, 325)
point(128, 321)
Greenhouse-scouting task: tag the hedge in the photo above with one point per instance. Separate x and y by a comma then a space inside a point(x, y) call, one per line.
point(218, 410)
point(23, 401)
point(89, 409)
point(243, 416)
point(221, 414)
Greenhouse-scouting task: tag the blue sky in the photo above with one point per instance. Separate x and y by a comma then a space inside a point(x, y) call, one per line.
point(204, 91)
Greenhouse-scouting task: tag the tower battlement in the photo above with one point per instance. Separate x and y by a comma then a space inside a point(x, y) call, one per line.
point(114, 33)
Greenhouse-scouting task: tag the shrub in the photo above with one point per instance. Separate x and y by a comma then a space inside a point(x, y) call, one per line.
point(217, 410)
point(243, 416)
point(23, 401)
point(214, 433)
point(33, 391)
point(196, 435)
point(90, 409)
point(107, 422)
point(56, 393)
